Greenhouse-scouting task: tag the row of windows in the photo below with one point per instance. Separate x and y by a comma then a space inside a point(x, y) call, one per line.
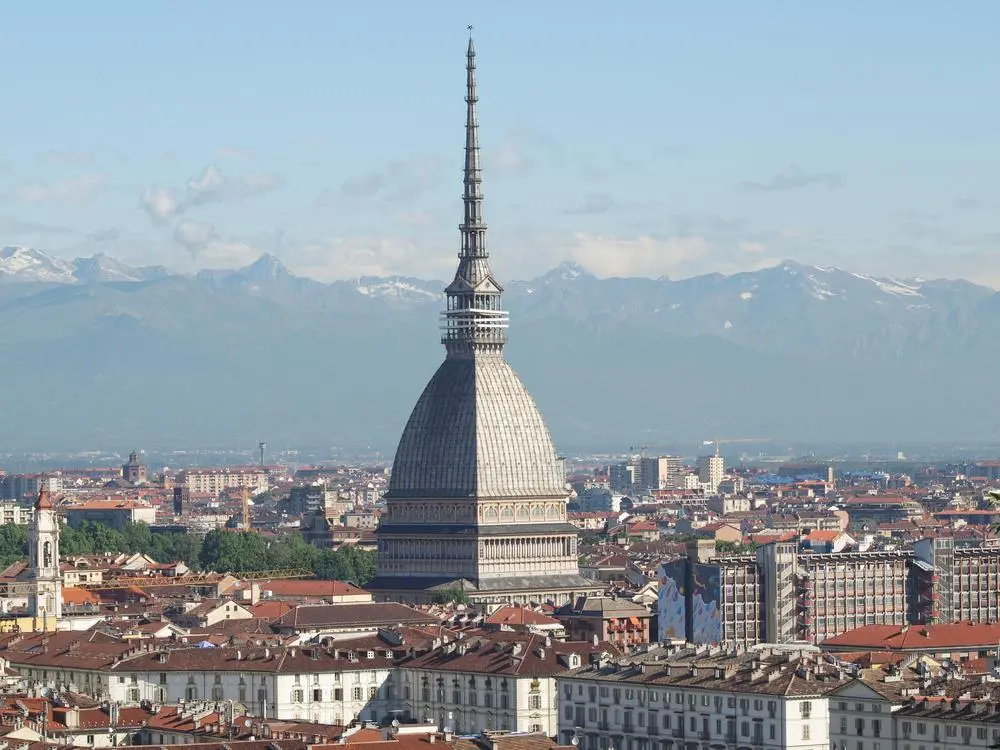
point(357, 694)
point(642, 695)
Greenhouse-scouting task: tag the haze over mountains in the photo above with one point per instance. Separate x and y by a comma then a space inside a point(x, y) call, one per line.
point(101, 354)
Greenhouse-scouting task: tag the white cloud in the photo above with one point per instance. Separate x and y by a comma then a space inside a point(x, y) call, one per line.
point(161, 204)
point(639, 256)
point(350, 257)
point(209, 249)
point(194, 236)
point(211, 181)
point(211, 186)
point(77, 190)
point(755, 248)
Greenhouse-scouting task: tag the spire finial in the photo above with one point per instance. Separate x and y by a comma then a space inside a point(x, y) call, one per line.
point(474, 321)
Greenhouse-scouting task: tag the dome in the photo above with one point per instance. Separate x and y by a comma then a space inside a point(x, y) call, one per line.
point(476, 432)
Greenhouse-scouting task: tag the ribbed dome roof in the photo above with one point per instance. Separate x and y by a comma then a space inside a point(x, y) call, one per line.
point(476, 432)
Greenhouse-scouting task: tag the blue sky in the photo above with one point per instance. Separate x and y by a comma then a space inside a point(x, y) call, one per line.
point(641, 138)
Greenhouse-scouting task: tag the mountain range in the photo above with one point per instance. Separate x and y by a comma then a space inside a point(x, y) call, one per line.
point(103, 354)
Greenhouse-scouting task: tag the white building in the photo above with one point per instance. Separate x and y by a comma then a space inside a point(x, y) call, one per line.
point(924, 707)
point(711, 470)
point(327, 685)
point(696, 700)
point(16, 514)
point(45, 598)
point(505, 681)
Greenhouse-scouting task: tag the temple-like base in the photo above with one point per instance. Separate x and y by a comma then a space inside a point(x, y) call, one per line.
point(558, 589)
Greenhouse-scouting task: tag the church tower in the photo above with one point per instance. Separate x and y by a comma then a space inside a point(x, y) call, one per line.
point(477, 497)
point(45, 600)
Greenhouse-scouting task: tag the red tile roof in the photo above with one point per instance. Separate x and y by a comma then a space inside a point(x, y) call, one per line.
point(960, 636)
point(519, 616)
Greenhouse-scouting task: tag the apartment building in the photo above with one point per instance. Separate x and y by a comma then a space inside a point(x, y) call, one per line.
point(115, 514)
point(330, 685)
point(779, 595)
point(836, 592)
point(16, 514)
point(915, 708)
point(503, 681)
point(867, 512)
point(954, 584)
point(705, 599)
point(699, 698)
point(711, 470)
point(20, 486)
point(661, 472)
point(214, 481)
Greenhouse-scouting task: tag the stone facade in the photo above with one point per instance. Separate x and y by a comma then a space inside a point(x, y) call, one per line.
point(477, 498)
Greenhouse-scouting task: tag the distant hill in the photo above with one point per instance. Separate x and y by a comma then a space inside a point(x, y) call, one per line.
point(101, 354)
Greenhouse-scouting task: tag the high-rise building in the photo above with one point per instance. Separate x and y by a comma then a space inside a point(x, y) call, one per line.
point(45, 598)
point(661, 472)
point(477, 497)
point(711, 470)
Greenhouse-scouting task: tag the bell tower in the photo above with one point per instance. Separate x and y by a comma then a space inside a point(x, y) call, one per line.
point(45, 600)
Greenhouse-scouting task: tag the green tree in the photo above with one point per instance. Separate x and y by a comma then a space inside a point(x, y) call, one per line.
point(137, 537)
point(13, 544)
point(292, 551)
point(346, 563)
point(234, 552)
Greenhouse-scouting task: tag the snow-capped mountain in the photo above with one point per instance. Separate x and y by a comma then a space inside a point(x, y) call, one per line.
point(101, 268)
point(793, 350)
point(27, 264)
point(399, 288)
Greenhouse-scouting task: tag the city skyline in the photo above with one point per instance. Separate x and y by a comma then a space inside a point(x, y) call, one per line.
point(671, 140)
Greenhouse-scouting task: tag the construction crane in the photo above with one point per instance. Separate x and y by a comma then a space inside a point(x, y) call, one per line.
point(642, 450)
point(720, 441)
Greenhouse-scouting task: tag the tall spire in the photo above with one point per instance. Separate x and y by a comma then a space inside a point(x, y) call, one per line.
point(473, 228)
point(473, 321)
